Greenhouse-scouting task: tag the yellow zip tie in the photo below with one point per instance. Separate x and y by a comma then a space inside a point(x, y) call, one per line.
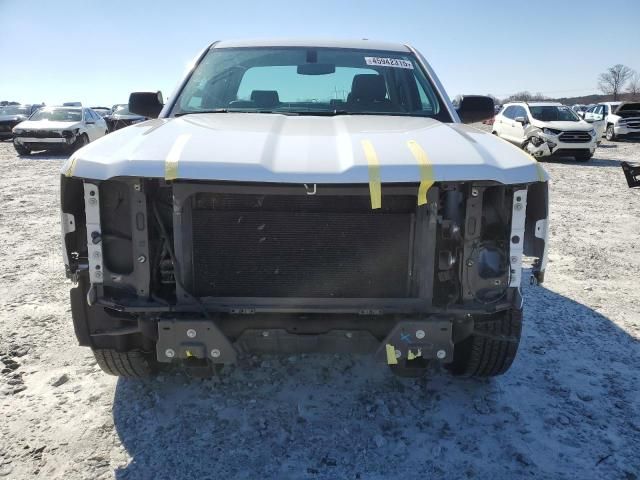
point(72, 166)
point(391, 355)
point(375, 186)
point(171, 162)
point(426, 170)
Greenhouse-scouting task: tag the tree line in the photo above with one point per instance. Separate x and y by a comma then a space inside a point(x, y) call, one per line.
point(614, 82)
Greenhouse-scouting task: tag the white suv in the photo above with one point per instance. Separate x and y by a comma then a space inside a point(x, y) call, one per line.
point(546, 128)
point(615, 119)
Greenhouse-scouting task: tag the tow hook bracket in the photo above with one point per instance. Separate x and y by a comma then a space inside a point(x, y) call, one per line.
point(410, 340)
point(200, 339)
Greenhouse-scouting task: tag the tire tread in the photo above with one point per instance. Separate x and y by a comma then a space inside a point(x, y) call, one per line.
point(132, 364)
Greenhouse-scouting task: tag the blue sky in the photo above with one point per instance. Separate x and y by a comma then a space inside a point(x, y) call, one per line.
point(99, 51)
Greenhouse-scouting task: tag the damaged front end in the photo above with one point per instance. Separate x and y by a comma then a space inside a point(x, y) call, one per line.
point(540, 142)
point(200, 272)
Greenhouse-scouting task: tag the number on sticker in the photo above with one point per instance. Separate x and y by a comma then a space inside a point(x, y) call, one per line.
point(388, 62)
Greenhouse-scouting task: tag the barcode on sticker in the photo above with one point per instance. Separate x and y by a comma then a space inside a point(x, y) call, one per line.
point(388, 62)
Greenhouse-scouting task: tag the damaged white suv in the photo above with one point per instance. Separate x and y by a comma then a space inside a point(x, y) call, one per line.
point(545, 128)
point(303, 197)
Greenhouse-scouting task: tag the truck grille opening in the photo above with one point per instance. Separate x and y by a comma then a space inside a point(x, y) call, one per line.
point(301, 246)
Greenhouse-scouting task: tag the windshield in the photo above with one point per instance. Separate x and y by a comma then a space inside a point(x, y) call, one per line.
point(14, 110)
point(553, 114)
point(299, 80)
point(58, 114)
point(122, 110)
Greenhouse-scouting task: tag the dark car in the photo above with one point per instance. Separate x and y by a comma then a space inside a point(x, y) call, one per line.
point(11, 115)
point(102, 111)
point(122, 117)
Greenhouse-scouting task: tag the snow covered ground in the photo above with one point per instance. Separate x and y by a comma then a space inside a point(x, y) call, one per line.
point(568, 408)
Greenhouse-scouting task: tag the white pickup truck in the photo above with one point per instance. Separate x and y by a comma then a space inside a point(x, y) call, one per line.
point(615, 120)
point(301, 196)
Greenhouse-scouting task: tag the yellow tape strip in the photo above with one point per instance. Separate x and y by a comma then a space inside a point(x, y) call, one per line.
point(426, 170)
point(540, 172)
point(72, 166)
point(391, 355)
point(171, 162)
point(375, 185)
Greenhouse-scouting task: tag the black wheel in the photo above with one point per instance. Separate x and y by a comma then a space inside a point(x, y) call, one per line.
point(133, 364)
point(584, 157)
point(80, 142)
point(21, 150)
point(492, 347)
point(610, 134)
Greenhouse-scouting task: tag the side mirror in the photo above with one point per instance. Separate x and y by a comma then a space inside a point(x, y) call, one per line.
point(147, 104)
point(521, 120)
point(475, 108)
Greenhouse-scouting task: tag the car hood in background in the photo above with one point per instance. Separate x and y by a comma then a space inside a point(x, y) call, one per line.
point(12, 118)
point(581, 126)
point(47, 125)
point(249, 147)
point(125, 117)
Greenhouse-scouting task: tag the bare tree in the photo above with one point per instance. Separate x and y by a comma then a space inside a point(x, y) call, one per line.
point(633, 88)
point(613, 80)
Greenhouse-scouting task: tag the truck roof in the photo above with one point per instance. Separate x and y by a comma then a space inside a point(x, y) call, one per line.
point(363, 44)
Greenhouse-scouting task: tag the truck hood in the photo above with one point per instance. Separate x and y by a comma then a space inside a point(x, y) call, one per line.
point(253, 147)
point(46, 125)
point(581, 126)
point(628, 106)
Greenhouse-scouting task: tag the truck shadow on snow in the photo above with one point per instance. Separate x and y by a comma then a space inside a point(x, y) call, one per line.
point(565, 409)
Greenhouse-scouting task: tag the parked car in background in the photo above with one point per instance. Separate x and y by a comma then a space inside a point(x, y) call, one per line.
point(58, 128)
point(102, 111)
point(546, 128)
point(260, 213)
point(615, 120)
point(12, 115)
point(579, 109)
point(122, 117)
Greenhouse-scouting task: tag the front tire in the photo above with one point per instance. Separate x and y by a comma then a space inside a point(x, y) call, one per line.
point(491, 348)
point(133, 364)
point(610, 134)
point(21, 150)
point(80, 142)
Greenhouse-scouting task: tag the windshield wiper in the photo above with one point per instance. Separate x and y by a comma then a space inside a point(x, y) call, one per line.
point(333, 113)
point(227, 110)
point(215, 110)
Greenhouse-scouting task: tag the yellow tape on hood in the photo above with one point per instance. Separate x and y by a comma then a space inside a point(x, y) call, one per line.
point(72, 166)
point(375, 185)
point(426, 170)
point(171, 162)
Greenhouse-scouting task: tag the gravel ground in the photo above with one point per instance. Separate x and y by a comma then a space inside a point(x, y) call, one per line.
point(568, 408)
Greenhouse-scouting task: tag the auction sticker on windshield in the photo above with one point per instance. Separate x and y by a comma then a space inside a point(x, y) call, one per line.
point(388, 62)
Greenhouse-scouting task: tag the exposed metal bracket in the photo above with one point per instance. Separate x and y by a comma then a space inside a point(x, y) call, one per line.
point(472, 235)
point(94, 232)
point(429, 339)
point(140, 240)
point(200, 339)
point(518, 217)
